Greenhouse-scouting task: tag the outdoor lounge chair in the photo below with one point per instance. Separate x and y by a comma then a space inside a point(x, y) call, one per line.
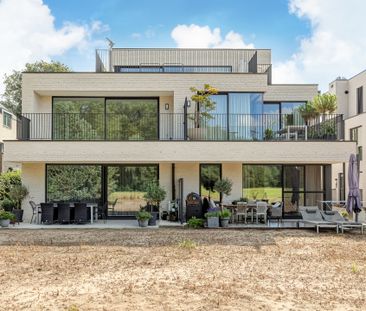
point(276, 212)
point(312, 216)
point(335, 216)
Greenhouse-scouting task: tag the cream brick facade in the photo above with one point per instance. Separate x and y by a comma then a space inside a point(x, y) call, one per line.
point(346, 92)
point(171, 89)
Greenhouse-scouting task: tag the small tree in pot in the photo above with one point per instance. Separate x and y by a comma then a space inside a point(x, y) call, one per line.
point(224, 186)
point(203, 106)
point(308, 112)
point(153, 196)
point(17, 194)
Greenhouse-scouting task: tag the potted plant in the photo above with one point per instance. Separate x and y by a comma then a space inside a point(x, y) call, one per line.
point(153, 196)
point(212, 216)
point(225, 215)
point(203, 106)
point(5, 218)
point(143, 218)
point(223, 186)
point(268, 134)
point(8, 205)
point(17, 194)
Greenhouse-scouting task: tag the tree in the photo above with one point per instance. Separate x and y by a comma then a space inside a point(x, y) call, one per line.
point(12, 97)
point(325, 103)
point(224, 186)
point(204, 103)
point(308, 111)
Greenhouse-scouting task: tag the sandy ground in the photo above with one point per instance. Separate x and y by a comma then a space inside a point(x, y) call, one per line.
point(180, 269)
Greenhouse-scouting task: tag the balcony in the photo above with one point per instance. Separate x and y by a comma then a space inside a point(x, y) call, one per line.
point(177, 127)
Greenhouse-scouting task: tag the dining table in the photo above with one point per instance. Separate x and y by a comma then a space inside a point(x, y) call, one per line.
point(251, 207)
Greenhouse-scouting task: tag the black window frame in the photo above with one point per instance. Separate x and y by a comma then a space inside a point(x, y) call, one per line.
point(360, 100)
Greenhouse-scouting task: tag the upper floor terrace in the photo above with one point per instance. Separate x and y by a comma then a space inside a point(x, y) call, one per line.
point(133, 119)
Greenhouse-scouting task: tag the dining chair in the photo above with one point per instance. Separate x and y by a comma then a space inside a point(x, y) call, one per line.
point(35, 211)
point(80, 213)
point(63, 210)
point(47, 213)
point(261, 211)
point(241, 211)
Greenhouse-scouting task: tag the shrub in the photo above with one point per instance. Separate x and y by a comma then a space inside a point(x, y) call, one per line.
point(8, 180)
point(195, 223)
point(225, 213)
point(7, 215)
point(17, 194)
point(7, 205)
point(154, 194)
point(143, 215)
point(212, 214)
point(188, 244)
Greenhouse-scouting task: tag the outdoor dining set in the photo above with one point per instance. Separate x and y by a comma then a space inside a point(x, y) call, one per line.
point(64, 213)
point(244, 212)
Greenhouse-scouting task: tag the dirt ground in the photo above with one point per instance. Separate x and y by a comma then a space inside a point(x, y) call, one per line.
point(180, 269)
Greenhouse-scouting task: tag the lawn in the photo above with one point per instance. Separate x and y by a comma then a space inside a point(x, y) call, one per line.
point(179, 269)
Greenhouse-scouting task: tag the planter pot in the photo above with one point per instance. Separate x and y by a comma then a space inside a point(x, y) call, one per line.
point(197, 133)
point(213, 222)
point(143, 223)
point(4, 222)
point(224, 222)
point(18, 215)
point(152, 220)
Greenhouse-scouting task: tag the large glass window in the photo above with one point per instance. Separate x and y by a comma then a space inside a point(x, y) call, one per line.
point(294, 185)
point(173, 68)
point(78, 118)
point(7, 119)
point(132, 119)
point(127, 186)
point(262, 182)
point(72, 183)
point(291, 114)
point(209, 175)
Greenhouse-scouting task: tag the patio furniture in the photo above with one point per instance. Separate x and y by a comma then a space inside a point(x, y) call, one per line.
point(36, 211)
point(241, 211)
point(112, 205)
point(102, 211)
point(63, 210)
point(312, 216)
point(293, 131)
point(80, 213)
point(335, 216)
point(276, 212)
point(47, 213)
point(261, 211)
point(252, 206)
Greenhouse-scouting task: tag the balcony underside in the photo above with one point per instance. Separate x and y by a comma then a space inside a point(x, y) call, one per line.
point(178, 151)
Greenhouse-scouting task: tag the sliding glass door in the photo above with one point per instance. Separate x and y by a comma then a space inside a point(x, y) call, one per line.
point(126, 186)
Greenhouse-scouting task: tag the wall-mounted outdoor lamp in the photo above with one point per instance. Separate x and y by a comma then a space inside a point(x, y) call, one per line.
point(166, 106)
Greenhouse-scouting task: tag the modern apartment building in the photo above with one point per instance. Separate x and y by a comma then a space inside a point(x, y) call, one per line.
point(352, 104)
point(7, 132)
point(104, 135)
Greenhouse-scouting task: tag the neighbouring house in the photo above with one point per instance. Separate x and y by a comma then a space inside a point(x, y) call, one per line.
point(103, 136)
point(8, 131)
point(351, 103)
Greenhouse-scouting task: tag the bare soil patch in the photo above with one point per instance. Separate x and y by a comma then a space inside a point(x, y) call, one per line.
point(178, 269)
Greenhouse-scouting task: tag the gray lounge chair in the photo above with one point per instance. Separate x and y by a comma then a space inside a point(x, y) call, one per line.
point(335, 216)
point(312, 216)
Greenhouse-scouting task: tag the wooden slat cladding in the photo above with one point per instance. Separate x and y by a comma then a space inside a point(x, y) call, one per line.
point(238, 59)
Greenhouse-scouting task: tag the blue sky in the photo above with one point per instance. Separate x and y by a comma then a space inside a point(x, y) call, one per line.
point(312, 41)
point(272, 27)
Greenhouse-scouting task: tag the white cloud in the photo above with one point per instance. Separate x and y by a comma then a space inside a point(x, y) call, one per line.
point(195, 36)
point(28, 33)
point(335, 47)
